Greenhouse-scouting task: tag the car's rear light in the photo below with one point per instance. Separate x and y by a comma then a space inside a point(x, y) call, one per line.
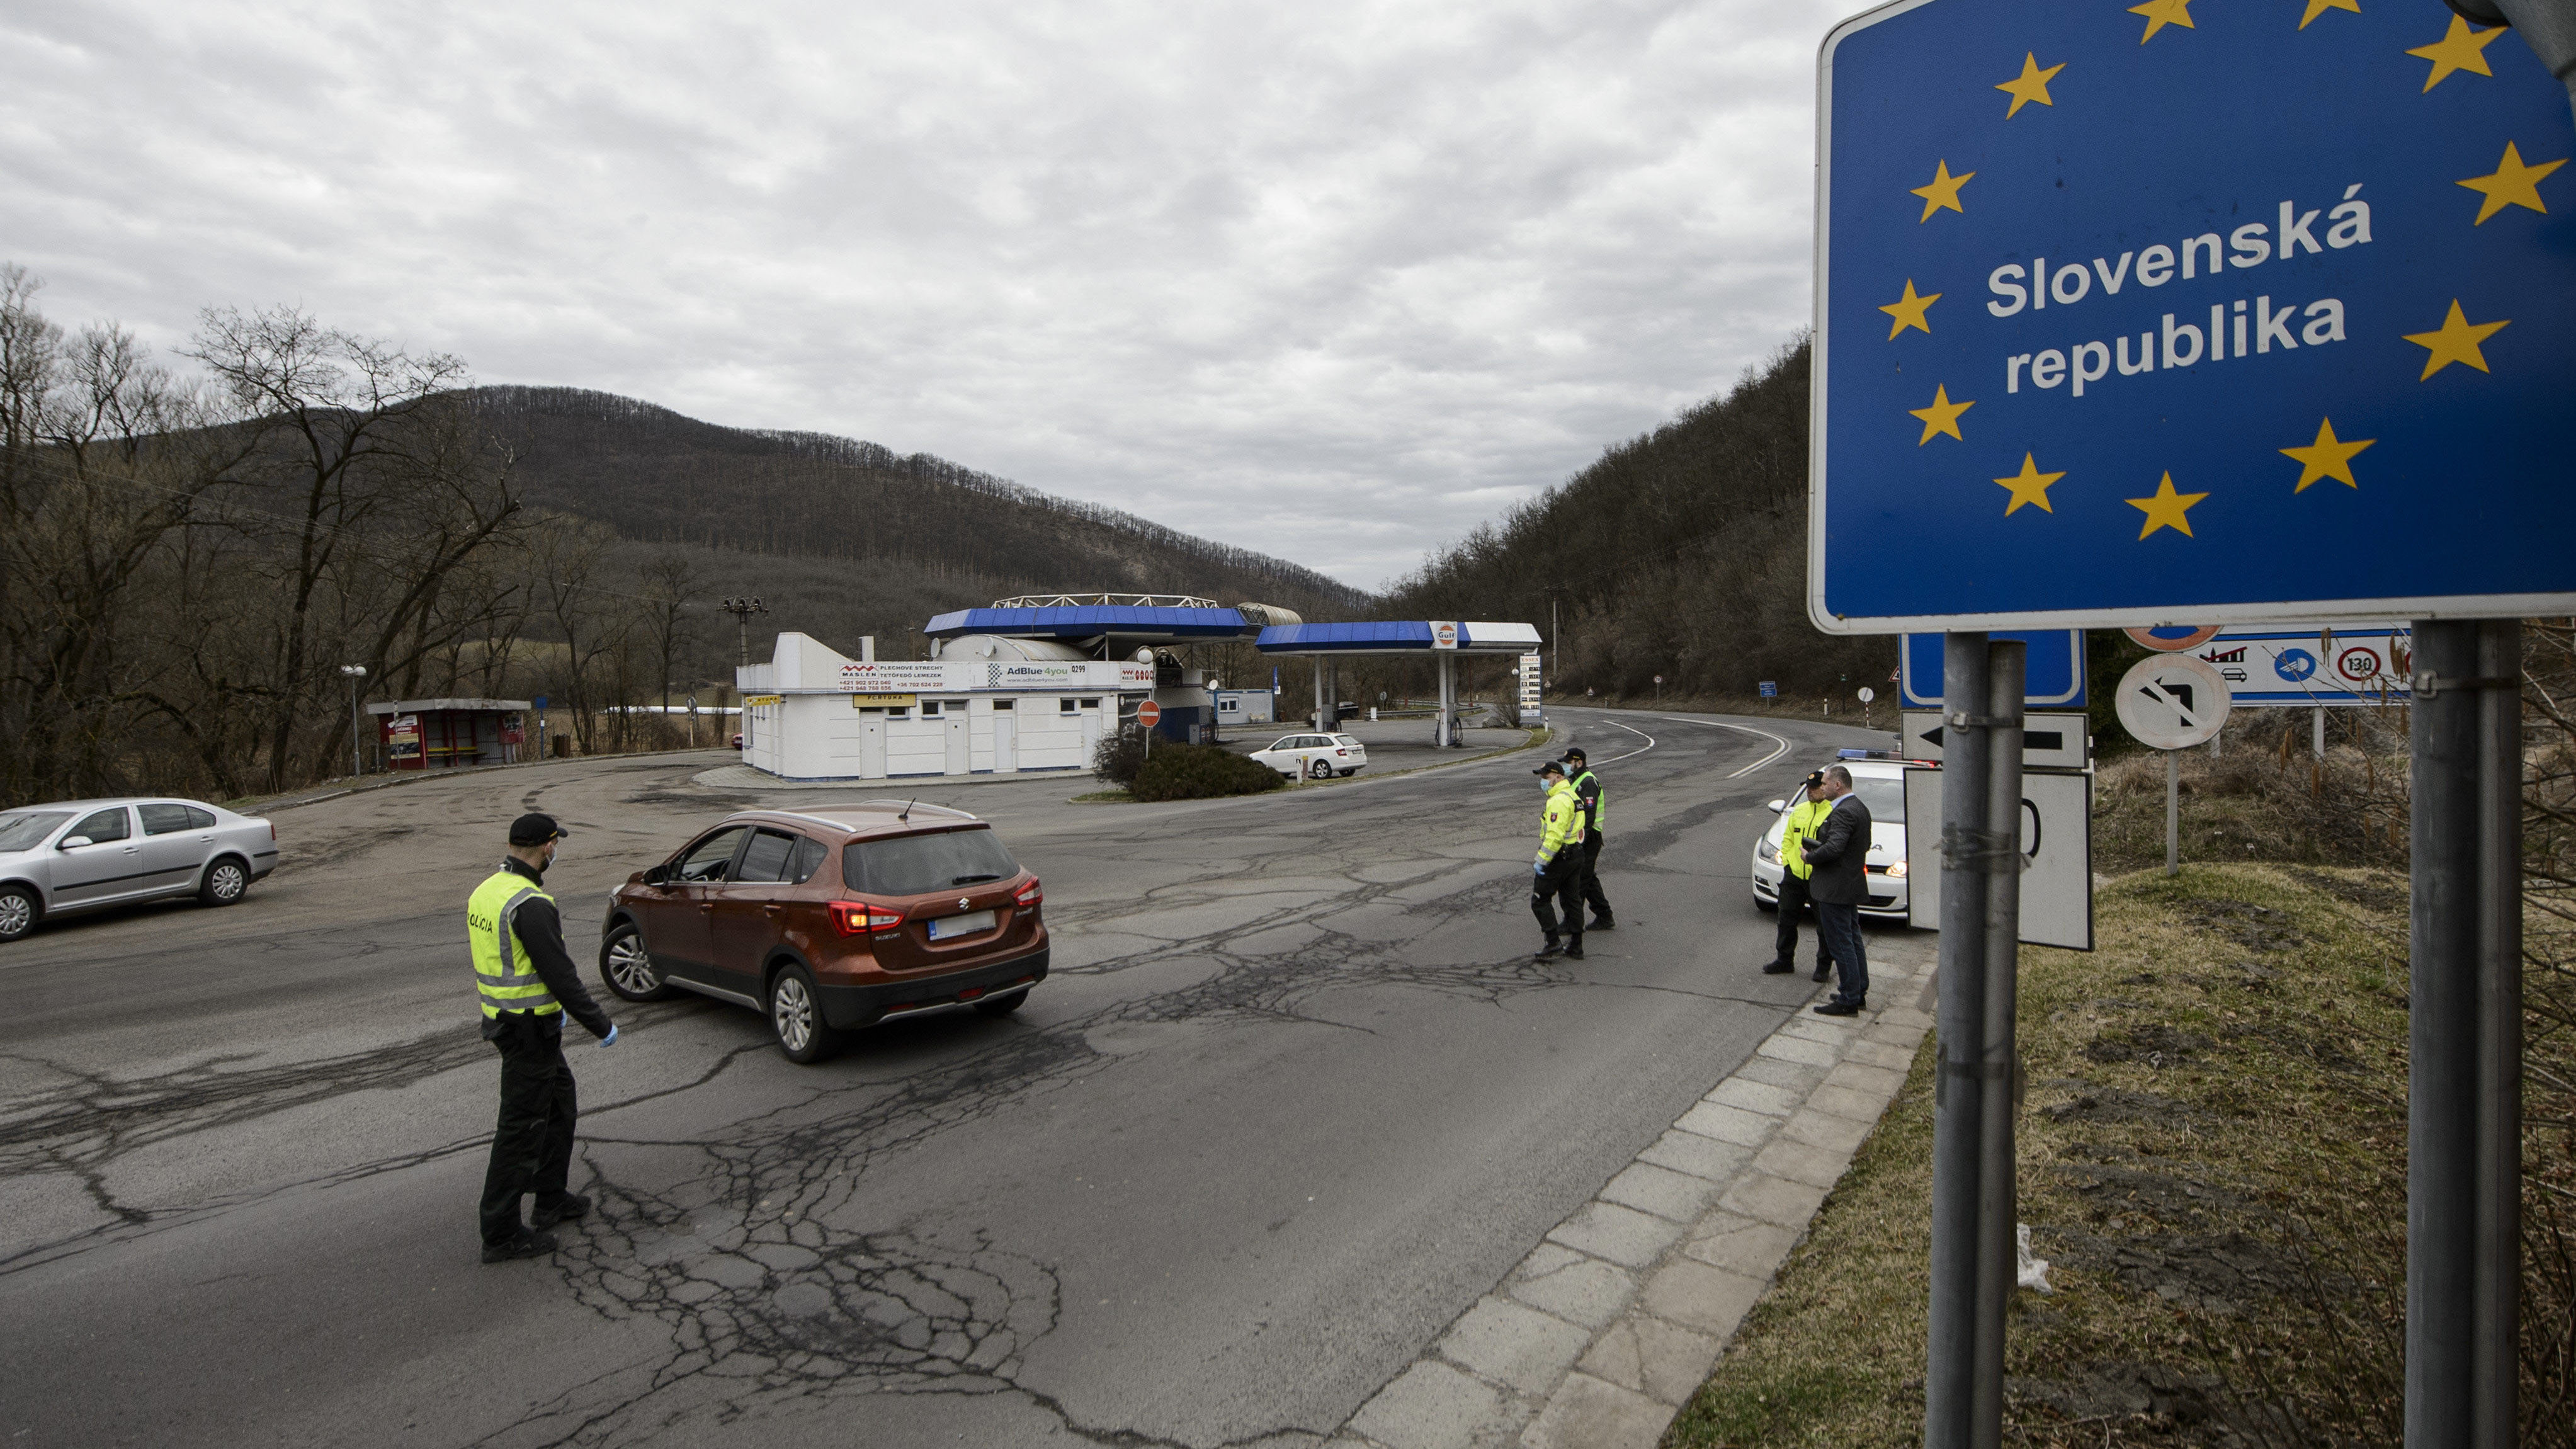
point(861, 918)
point(1030, 895)
point(1341, 752)
point(272, 830)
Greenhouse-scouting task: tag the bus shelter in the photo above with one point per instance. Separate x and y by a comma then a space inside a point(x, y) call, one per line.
point(445, 734)
point(1443, 639)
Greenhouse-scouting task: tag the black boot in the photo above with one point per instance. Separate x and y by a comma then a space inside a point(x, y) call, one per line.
point(1551, 950)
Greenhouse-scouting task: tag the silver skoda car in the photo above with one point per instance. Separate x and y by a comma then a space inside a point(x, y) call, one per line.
point(78, 854)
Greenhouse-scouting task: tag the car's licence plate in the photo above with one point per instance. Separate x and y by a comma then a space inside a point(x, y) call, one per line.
point(945, 927)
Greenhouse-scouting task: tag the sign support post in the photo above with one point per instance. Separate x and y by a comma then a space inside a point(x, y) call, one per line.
point(1973, 1197)
point(2464, 1098)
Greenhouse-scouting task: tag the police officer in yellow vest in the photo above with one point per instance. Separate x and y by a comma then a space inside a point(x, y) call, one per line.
point(1556, 876)
point(528, 982)
point(1798, 826)
point(1587, 788)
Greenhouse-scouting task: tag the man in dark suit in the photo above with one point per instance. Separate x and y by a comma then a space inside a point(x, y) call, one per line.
point(1839, 854)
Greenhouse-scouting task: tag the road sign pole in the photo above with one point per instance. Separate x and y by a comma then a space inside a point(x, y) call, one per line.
point(1973, 1192)
point(2464, 1108)
point(2173, 812)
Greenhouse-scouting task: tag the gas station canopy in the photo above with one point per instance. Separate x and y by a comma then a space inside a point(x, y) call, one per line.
point(1399, 636)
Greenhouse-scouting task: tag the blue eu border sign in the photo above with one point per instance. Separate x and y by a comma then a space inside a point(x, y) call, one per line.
point(2185, 311)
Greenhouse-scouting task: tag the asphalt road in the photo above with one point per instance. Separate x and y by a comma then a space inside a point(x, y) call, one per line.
point(1295, 1095)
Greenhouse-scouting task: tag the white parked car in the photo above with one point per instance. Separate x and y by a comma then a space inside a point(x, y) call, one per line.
point(1880, 786)
point(1317, 757)
point(79, 854)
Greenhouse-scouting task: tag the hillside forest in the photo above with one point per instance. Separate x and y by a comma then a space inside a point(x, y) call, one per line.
point(1681, 552)
point(192, 560)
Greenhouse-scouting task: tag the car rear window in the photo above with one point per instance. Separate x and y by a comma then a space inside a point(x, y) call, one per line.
point(911, 865)
point(1346, 741)
point(28, 830)
point(166, 819)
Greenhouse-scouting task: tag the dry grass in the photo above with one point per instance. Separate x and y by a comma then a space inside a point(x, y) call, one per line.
point(2212, 1157)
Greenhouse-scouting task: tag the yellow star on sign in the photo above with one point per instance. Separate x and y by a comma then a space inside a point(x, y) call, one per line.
point(2161, 13)
point(2456, 341)
point(2031, 85)
point(1908, 310)
point(1944, 190)
point(2511, 184)
point(2460, 49)
point(2167, 509)
point(2029, 486)
point(1941, 417)
point(2320, 7)
point(2327, 457)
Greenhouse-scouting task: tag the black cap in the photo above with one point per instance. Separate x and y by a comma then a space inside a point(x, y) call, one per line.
point(1815, 778)
point(535, 830)
point(1552, 767)
point(1573, 755)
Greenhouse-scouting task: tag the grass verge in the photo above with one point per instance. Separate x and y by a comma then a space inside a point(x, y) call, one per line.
point(2212, 1156)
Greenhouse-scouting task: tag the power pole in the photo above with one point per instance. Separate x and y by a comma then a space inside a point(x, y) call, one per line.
point(742, 610)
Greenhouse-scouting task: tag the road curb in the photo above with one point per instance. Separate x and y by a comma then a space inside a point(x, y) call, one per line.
point(1598, 1336)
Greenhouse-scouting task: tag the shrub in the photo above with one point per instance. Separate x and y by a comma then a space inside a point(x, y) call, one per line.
point(1117, 758)
point(1196, 772)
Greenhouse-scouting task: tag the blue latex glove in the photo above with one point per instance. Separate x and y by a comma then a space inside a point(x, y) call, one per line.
point(610, 1040)
point(1538, 867)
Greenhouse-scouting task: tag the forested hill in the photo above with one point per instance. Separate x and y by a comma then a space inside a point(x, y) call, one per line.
point(945, 534)
point(1681, 553)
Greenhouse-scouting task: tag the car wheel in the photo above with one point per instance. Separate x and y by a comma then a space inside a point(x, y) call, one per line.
point(796, 1018)
point(226, 880)
point(1760, 904)
point(19, 909)
point(1319, 771)
point(1003, 1005)
point(627, 967)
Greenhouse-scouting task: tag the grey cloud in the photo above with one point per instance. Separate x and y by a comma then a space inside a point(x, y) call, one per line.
point(1334, 281)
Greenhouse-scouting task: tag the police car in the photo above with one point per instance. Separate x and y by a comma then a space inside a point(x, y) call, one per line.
point(1880, 786)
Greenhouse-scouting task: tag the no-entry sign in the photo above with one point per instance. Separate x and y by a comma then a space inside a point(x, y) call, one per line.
point(1149, 714)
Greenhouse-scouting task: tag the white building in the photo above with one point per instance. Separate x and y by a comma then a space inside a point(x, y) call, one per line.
point(988, 705)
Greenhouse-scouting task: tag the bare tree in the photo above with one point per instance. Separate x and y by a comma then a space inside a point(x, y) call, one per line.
point(333, 417)
point(670, 583)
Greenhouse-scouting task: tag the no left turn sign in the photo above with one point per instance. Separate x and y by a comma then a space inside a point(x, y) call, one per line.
point(2174, 702)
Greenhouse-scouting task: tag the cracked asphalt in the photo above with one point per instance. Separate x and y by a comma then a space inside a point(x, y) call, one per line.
point(1294, 1097)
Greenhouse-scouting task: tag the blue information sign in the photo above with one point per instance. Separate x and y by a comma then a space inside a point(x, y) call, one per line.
point(1770, 689)
point(2190, 311)
point(2053, 669)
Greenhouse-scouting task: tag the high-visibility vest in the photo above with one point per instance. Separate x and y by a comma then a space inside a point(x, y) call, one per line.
point(1563, 824)
point(1798, 827)
point(501, 970)
point(1600, 807)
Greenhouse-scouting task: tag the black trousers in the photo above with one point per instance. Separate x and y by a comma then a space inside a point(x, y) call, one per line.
point(1793, 904)
point(532, 1142)
point(1592, 876)
point(1560, 885)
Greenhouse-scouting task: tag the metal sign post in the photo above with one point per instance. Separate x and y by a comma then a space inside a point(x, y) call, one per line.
point(2464, 1031)
point(1973, 1197)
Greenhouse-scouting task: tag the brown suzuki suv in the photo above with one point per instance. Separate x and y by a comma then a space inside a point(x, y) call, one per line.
point(832, 919)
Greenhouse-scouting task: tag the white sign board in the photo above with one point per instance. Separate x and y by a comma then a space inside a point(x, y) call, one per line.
point(2173, 702)
point(1444, 633)
point(1532, 688)
point(2048, 741)
point(2341, 664)
point(1867, 694)
point(2056, 838)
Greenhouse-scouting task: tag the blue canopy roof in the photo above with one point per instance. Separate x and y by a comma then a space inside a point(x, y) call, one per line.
point(1394, 636)
point(1090, 621)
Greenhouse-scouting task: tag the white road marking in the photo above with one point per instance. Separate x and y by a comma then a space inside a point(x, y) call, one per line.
point(1779, 746)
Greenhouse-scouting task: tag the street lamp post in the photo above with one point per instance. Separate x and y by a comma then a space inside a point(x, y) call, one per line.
point(357, 760)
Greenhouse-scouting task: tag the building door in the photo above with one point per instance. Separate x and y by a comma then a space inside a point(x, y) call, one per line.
point(953, 719)
point(1006, 737)
point(872, 745)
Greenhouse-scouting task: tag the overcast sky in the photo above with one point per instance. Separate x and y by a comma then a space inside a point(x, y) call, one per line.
point(1336, 281)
